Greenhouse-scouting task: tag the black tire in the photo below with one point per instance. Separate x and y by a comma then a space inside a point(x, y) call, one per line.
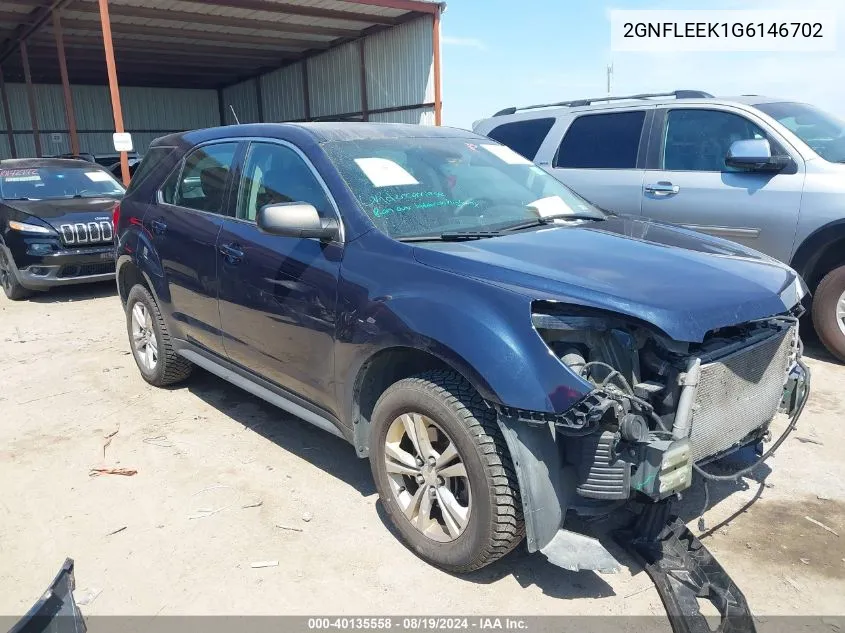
point(495, 525)
point(825, 320)
point(170, 368)
point(9, 280)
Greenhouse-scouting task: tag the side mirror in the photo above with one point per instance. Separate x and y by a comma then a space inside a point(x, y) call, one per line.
point(754, 155)
point(296, 219)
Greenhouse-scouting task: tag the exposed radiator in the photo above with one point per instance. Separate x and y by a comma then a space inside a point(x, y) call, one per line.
point(739, 393)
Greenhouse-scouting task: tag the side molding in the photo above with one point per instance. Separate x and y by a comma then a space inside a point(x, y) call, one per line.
point(262, 392)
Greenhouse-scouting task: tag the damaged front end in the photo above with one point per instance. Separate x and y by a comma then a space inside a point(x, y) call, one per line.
point(657, 410)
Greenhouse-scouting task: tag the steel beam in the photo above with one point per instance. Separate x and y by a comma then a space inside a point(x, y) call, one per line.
point(30, 97)
point(35, 19)
point(292, 9)
point(114, 89)
point(404, 5)
point(192, 17)
point(365, 107)
point(69, 111)
point(7, 114)
point(195, 34)
point(438, 97)
point(259, 99)
point(306, 93)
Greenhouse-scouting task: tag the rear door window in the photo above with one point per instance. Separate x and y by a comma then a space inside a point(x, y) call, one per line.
point(523, 137)
point(602, 141)
point(202, 182)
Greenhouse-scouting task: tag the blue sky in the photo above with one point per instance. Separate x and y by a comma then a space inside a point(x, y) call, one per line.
point(499, 53)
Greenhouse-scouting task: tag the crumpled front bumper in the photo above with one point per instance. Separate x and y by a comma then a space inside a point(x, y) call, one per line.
point(549, 484)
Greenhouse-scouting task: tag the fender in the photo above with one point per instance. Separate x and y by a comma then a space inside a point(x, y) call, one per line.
point(483, 331)
point(491, 343)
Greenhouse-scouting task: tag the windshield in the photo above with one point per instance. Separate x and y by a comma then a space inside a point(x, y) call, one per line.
point(54, 183)
point(824, 133)
point(415, 187)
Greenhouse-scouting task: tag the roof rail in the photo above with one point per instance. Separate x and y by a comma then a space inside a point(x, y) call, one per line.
point(678, 94)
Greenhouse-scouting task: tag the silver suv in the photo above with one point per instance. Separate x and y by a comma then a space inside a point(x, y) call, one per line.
point(767, 173)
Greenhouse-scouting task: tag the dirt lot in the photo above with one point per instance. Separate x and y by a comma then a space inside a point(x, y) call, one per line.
point(225, 480)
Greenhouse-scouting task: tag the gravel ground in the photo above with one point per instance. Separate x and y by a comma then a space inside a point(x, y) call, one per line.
point(224, 480)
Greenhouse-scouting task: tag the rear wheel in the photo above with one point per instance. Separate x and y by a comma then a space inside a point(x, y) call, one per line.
point(9, 280)
point(152, 348)
point(829, 312)
point(443, 472)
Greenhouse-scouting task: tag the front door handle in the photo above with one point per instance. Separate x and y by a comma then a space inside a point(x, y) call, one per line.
point(159, 227)
point(663, 188)
point(232, 253)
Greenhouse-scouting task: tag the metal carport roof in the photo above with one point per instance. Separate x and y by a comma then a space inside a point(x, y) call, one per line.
point(183, 44)
point(186, 43)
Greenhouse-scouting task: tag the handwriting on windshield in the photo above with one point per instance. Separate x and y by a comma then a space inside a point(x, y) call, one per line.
point(415, 201)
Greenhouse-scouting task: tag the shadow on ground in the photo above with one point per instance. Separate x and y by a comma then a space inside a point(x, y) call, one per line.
point(325, 451)
point(531, 569)
point(81, 292)
point(337, 458)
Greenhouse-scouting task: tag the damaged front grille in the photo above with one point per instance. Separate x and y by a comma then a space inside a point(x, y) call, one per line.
point(739, 393)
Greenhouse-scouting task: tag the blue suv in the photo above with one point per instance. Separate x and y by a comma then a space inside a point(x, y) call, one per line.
point(505, 353)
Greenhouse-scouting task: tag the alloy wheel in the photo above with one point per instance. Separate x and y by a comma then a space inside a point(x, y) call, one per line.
point(143, 337)
point(840, 313)
point(427, 477)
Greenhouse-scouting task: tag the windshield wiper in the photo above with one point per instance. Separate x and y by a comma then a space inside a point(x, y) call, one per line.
point(549, 219)
point(450, 236)
point(454, 236)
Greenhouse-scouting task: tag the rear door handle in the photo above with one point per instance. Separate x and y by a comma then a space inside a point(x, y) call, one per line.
point(663, 188)
point(159, 227)
point(232, 253)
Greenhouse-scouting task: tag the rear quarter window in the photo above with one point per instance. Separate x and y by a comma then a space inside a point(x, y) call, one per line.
point(602, 141)
point(523, 137)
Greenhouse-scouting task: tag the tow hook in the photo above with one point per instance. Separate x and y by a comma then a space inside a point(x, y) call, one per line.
point(684, 571)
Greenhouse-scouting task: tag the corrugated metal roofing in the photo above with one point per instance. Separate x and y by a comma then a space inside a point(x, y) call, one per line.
point(190, 33)
point(185, 46)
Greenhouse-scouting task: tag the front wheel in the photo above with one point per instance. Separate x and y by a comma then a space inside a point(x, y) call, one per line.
point(829, 312)
point(443, 472)
point(151, 345)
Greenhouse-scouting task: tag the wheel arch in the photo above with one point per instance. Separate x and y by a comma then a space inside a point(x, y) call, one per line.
point(137, 262)
point(391, 364)
point(129, 275)
point(820, 252)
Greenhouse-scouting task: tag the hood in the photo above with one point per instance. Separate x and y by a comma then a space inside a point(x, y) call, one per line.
point(78, 221)
point(682, 282)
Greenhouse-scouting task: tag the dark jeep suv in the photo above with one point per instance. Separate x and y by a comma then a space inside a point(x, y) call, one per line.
point(504, 352)
point(55, 224)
